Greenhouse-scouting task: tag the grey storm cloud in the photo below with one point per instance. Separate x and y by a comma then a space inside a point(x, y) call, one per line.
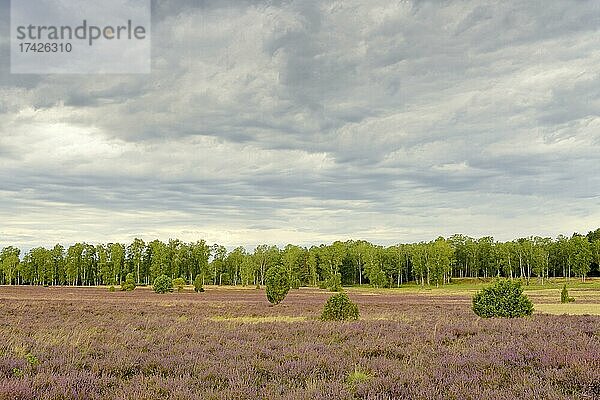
point(311, 121)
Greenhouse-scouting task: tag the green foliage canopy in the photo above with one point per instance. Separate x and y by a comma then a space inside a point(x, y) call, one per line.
point(357, 262)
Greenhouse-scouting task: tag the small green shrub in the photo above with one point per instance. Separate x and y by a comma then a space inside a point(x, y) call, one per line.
point(111, 288)
point(502, 299)
point(358, 376)
point(339, 307)
point(129, 283)
point(278, 284)
point(179, 284)
point(198, 285)
point(564, 295)
point(162, 284)
point(32, 360)
point(322, 284)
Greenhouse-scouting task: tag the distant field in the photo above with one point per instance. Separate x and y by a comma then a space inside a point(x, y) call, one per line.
point(88, 343)
point(546, 298)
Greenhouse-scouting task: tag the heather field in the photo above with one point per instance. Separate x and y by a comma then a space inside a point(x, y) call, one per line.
point(88, 343)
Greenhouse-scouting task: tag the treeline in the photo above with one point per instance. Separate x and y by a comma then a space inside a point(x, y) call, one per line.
point(352, 262)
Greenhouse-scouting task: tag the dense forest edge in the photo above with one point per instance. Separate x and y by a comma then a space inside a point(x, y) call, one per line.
point(354, 262)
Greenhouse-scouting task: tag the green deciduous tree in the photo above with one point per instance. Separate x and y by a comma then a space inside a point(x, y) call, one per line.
point(265, 257)
point(200, 257)
point(294, 261)
point(135, 256)
point(331, 258)
point(74, 263)
point(358, 251)
point(419, 259)
point(376, 266)
point(116, 254)
point(104, 266)
point(36, 268)
point(440, 260)
point(580, 256)
point(234, 263)
point(541, 257)
point(159, 263)
point(58, 265)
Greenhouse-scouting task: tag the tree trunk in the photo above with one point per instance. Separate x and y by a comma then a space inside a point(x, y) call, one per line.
point(359, 274)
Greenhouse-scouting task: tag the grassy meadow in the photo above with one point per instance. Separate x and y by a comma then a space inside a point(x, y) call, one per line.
point(229, 343)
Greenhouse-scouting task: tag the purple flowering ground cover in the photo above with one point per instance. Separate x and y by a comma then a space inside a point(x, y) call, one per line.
point(88, 343)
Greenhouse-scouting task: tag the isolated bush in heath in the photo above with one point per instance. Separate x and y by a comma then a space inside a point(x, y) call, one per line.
point(129, 283)
point(198, 285)
point(163, 284)
point(358, 376)
point(339, 307)
point(179, 284)
point(32, 360)
point(564, 295)
point(278, 284)
point(502, 299)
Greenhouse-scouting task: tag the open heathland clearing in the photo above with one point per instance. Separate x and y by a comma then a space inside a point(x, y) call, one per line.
point(409, 343)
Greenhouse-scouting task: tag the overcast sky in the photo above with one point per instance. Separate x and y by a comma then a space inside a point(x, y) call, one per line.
point(312, 121)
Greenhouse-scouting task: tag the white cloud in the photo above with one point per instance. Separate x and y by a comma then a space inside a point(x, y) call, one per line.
point(311, 121)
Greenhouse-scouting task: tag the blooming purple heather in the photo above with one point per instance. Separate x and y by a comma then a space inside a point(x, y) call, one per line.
point(230, 344)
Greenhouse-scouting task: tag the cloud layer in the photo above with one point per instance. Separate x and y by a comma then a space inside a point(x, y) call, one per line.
point(310, 121)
